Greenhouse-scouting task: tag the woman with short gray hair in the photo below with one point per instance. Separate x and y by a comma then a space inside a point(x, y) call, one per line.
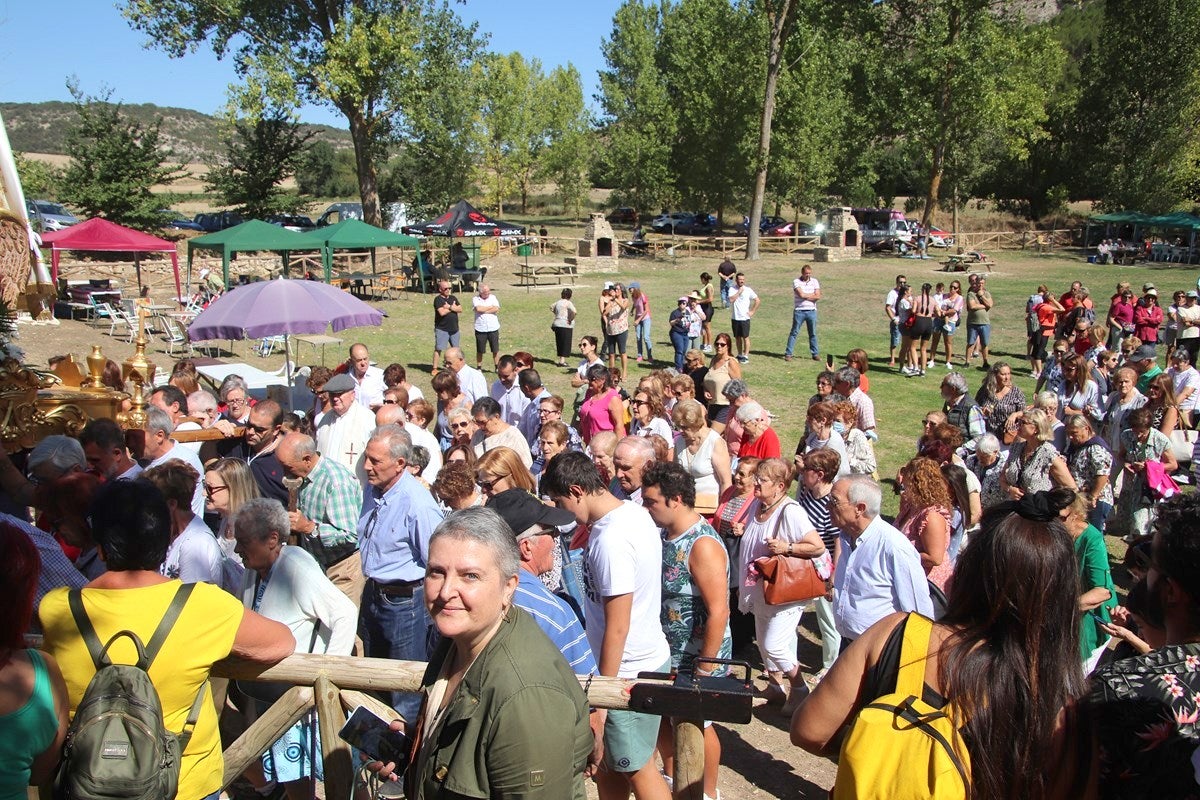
point(987, 463)
point(286, 584)
point(1090, 462)
point(493, 664)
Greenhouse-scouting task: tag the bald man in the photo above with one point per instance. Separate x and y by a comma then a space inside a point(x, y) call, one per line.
point(632, 456)
point(368, 380)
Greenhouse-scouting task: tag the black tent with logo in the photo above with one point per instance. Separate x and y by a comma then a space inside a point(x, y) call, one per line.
point(463, 220)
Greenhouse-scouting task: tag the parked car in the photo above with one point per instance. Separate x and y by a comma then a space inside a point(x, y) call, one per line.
point(176, 220)
point(292, 222)
point(667, 223)
point(765, 223)
point(698, 225)
point(940, 238)
point(337, 212)
point(218, 220)
point(45, 215)
point(791, 229)
point(623, 215)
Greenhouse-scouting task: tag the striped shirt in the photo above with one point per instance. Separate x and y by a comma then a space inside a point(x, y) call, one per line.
point(556, 618)
point(817, 509)
point(332, 498)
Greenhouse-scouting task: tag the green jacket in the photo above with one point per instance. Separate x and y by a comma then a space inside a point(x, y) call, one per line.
point(516, 727)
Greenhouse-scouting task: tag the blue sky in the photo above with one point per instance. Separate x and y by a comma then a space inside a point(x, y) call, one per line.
point(42, 45)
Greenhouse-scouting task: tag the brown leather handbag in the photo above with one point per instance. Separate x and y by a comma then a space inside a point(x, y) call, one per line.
point(789, 579)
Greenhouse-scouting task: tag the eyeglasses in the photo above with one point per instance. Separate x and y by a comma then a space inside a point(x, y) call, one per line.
point(391, 402)
point(212, 490)
point(460, 424)
point(235, 401)
point(485, 484)
point(545, 411)
point(639, 402)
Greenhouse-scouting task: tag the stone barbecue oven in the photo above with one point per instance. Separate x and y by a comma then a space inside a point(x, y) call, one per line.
point(841, 238)
point(597, 250)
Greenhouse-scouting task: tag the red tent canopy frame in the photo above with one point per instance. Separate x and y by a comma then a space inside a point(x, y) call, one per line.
point(101, 235)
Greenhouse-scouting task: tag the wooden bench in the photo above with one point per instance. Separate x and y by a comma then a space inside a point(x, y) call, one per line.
point(962, 263)
point(530, 275)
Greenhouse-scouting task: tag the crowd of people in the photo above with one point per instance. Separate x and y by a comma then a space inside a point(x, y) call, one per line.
point(513, 540)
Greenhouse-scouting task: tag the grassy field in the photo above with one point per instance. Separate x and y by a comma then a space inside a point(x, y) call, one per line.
point(851, 315)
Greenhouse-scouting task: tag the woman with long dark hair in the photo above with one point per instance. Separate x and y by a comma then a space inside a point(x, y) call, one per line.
point(1005, 655)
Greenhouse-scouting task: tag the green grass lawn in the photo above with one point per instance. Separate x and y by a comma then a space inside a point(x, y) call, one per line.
point(850, 315)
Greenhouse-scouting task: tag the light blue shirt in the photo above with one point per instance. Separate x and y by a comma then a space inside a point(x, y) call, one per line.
point(394, 531)
point(530, 424)
point(556, 618)
point(877, 575)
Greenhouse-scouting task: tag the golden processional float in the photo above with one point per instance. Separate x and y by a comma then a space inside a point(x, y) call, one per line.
point(35, 403)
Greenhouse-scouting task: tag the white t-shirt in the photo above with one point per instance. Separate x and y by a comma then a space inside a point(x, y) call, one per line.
point(486, 322)
point(1189, 378)
point(808, 287)
point(194, 556)
point(741, 306)
point(181, 453)
point(624, 556)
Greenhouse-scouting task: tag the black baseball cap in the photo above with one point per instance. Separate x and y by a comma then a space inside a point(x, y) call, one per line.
point(521, 510)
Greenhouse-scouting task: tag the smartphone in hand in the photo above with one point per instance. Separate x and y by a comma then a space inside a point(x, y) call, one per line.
point(373, 736)
point(829, 360)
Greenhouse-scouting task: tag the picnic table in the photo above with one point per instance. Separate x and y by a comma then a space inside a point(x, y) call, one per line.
point(319, 339)
point(255, 378)
point(961, 262)
point(530, 275)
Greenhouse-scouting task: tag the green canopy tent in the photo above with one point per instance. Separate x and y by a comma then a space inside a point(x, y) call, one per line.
point(250, 236)
point(353, 234)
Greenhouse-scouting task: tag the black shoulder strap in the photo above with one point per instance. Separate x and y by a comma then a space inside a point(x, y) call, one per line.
point(84, 624)
point(168, 621)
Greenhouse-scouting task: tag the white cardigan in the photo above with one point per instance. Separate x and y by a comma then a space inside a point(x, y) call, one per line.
point(300, 596)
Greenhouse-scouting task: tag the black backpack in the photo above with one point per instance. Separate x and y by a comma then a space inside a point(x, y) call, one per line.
point(118, 746)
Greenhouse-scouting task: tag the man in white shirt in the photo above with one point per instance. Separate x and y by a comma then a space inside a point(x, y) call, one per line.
point(487, 325)
point(470, 380)
point(368, 380)
point(160, 448)
point(507, 392)
point(889, 306)
point(745, 302)
point(494, 432)
point(806, 292)
point(623, 586)
point(879, 571)
point(345, 429)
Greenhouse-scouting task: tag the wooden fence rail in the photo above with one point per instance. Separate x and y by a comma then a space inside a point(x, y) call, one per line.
point(334, 685)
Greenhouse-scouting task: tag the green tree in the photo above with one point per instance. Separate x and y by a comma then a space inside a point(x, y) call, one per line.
point(326, 171)
point(638, 125)
point(780, 17)
point(708, 52)
point(1138, 142)
point(513, 125)
point(115, 162)
point(812, 112)
point(38, 179)
point(369, 60)
point(967, 82)
point(260, 155)
point(568, 159)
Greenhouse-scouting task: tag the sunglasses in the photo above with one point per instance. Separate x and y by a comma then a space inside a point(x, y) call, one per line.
point(460, 424)
point(484, 484)
point(257, 428)
point(212, 490)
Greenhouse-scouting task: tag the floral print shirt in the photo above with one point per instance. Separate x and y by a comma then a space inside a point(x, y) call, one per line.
point(684, 615)
point(1089, 462)
point(1146, 709)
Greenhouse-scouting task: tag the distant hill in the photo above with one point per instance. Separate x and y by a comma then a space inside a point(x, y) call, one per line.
point(191, 135)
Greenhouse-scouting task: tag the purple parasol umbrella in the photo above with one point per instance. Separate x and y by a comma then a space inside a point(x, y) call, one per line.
point(279, 308)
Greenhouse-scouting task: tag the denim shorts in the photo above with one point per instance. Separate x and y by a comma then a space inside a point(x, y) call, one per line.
point(980, 332)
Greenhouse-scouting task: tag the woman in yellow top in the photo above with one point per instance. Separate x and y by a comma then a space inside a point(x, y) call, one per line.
point(132, 527)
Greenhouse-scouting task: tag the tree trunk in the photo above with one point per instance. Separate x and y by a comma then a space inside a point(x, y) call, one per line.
point(780, 17)
point(945, 113)
point(368, 179)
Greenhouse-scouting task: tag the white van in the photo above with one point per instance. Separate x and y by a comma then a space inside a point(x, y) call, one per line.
point(881, 226)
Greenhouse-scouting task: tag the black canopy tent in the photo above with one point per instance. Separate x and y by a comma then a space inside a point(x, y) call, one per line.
point(463, 220)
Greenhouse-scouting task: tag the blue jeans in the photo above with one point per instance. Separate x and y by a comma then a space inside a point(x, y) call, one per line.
point(396, 628)
point(642, 331)
point(680, 341)
point(1098, 516)
point(799, 318)
point(726, 285)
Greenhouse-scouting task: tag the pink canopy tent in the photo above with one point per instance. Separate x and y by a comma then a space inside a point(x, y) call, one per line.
point(101, 235)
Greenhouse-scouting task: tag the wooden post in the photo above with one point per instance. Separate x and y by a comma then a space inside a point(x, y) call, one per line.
point(283, 714)
point(339, 769)
point(689, 759)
